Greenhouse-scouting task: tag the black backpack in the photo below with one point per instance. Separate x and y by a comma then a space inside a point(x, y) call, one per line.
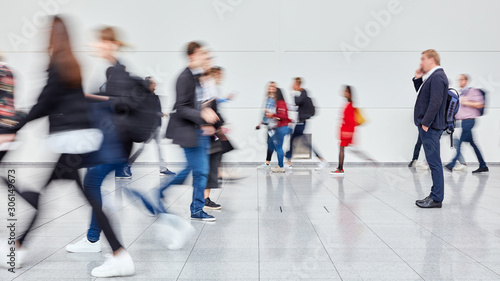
point(452, 106)
point(135, 107)
point(310, 109)
point(481, 110)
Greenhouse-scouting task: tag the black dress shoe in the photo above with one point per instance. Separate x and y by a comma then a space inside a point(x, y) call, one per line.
point(429, 203)
point(422, 200)
point(481, 170)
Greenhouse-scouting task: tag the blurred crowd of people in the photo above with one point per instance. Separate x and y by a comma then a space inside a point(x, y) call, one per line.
point(96, 130)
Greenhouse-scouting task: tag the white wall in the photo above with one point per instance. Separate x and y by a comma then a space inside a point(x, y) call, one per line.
point(374, 45)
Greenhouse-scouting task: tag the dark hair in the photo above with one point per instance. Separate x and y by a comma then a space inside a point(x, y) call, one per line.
point(348, 89)
point(279, 95)
point(61, 55)
point(192, 47)
point(109, 33)
point(298, 80)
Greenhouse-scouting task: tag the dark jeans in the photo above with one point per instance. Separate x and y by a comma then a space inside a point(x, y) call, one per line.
point(466, 136)
point(270, 148)
point(416, 150)
point(213, 175)
point(92, 186)
point(297, 133)
point(197, 162)
point(432, 148)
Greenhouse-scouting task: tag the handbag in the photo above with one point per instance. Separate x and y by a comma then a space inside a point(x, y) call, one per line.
point(358, 117)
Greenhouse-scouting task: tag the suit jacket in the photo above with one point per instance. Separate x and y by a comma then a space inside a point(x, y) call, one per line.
point(185, 119)
point(430, 107)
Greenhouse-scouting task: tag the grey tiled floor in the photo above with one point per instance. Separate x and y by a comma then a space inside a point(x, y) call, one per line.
point(294, 226)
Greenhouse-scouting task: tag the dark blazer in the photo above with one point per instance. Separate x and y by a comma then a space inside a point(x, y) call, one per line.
point(185, 119)
point(430, 107)
point(66, 107)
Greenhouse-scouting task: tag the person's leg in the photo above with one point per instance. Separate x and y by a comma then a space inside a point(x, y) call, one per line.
point(270, 149)
point(298, 132)
point(341, 158)
point(213, 174)
point(157, 138)
point(197, 158)
point(66, 168)
point(416, 150)
point(470, 126)
point(278, 138)
point(431, 144)
point(92, 187)
point(458, 146)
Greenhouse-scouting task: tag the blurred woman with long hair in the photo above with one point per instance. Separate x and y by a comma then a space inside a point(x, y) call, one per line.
point(71, 135)
point(282, 129)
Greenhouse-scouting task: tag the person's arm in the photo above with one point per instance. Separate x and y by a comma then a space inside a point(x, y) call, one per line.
point(96, 97)
point(474, 99)
point(437, 89)
point(417, 79)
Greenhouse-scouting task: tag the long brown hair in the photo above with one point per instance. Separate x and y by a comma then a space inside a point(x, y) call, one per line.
point(61, 55)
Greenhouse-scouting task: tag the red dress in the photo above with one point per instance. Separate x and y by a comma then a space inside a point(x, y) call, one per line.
point(348, 125)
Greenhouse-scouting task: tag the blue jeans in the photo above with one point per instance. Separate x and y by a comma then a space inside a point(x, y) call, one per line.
point(197, 162)
point(432, 148)
point(278, 138)
point(92, 186)
point(466, 136)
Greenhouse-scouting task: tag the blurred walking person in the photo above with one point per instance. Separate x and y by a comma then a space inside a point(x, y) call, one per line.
point(471, 102)
point(63, 101)
point(270, 123)
point(278, 134)
point(346, 130)
point(157, 136)
point(306, 110)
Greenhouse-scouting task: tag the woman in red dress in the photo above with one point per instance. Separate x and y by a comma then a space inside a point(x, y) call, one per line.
point(346, 130)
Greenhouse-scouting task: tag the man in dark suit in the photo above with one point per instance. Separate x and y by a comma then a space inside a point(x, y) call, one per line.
point(431, 85)
point(191, 123)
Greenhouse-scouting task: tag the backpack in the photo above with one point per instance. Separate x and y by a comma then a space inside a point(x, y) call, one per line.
point(452, 106)
point(481, 110)
point(310, 108)
point(135, 107)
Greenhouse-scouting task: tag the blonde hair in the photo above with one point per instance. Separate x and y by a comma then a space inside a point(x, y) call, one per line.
point(432, 54)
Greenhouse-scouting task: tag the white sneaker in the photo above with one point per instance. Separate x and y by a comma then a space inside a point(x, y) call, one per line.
point(84, 246)
point(322, 165)
point(264, 166)
point(278, 170)
point(120, 264)
point(175, 230)
point(12, 262)
point(422, 165)
point(460, 167)
point(287, 166)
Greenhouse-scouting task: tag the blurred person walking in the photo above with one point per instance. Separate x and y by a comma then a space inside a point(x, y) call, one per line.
point(71, 135)
point(346, 129)
point(164, 171)
point(471, 103)
point(270, 123)
point(278, 134)
point(306, 110)
point(431, 85)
